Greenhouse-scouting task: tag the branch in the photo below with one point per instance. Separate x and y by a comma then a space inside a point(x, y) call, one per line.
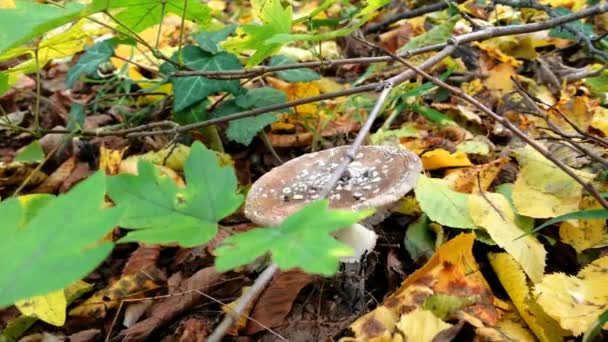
point(381, 26)
point(484, 34)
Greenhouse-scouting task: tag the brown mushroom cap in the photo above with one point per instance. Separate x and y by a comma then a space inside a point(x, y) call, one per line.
point(377, 178)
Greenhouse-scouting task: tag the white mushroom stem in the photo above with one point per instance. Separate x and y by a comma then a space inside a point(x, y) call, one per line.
point(359, 238)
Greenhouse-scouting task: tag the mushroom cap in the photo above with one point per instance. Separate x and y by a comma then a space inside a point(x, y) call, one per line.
point(377, 178)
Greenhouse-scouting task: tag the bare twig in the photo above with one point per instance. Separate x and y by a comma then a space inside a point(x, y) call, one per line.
point(383, 25)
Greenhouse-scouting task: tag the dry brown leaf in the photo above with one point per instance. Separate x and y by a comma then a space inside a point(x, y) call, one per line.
point(276, 301)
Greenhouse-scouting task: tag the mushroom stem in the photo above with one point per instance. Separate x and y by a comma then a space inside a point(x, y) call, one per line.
point(359, 238)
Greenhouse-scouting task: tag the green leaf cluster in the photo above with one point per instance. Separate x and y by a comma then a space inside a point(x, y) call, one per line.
point(245, 129)
point(303, 240)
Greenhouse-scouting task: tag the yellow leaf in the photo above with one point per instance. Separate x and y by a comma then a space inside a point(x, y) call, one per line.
point(499, 79)
point(543, 190)
point(452, 271)
point(109, 160)
point(471, 179)
point(600, 119)
point(166, 88)
point(575, 302)
point(49, 308)
point(493, 212)
point(64, 44)
point(421, 325)
point(493, 50)
point(511, 327)
point(513, 279)
point(7, 4)
point(440, 158)
point(583, 234)
point(299, 90)
point(128, 287)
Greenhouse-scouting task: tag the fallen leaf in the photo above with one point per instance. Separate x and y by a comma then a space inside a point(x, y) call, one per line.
point(575, 302)
point(276, 301)
point(451, 271)
point(49, 308)
point(440, 158)
point(420, 325)
point(493, 212)
point(127, 287)
point(513, 279)
point(442, 204)
point(583, 234)
point(542, 190)
point(184, 298)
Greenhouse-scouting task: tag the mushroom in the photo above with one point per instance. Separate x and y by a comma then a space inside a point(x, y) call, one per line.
point(377, 178)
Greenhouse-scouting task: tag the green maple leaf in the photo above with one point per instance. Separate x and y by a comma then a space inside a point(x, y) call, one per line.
point(138, 15)
point(276, 20)
point(302, 240)
point(160, 212)
point(45, 235)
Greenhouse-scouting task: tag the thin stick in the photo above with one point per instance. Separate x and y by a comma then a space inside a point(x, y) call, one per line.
point(248, 297)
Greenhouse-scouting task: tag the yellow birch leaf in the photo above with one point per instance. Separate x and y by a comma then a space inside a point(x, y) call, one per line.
point(600, 119)
point(583, 234)
point(440, 158)
point(421, 325)
point(575, 302)
point(543, 190)
point(493, 212)
point(513, 279)
point(49, 308)
point(471, 179)
point(493, 50)
point(499, 79)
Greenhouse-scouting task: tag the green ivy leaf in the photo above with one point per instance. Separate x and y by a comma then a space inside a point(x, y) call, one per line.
point(138, 15)
point(76, 118)
point(245, 129)
point(209, 41)
point(442, 204)
point(160, 212)
point(31, 153)
point(295, 75)
point(50, 243)
point(31, 19)
point(190, 90)
point(90, 61)
point(560, 32)
point(302, 241)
